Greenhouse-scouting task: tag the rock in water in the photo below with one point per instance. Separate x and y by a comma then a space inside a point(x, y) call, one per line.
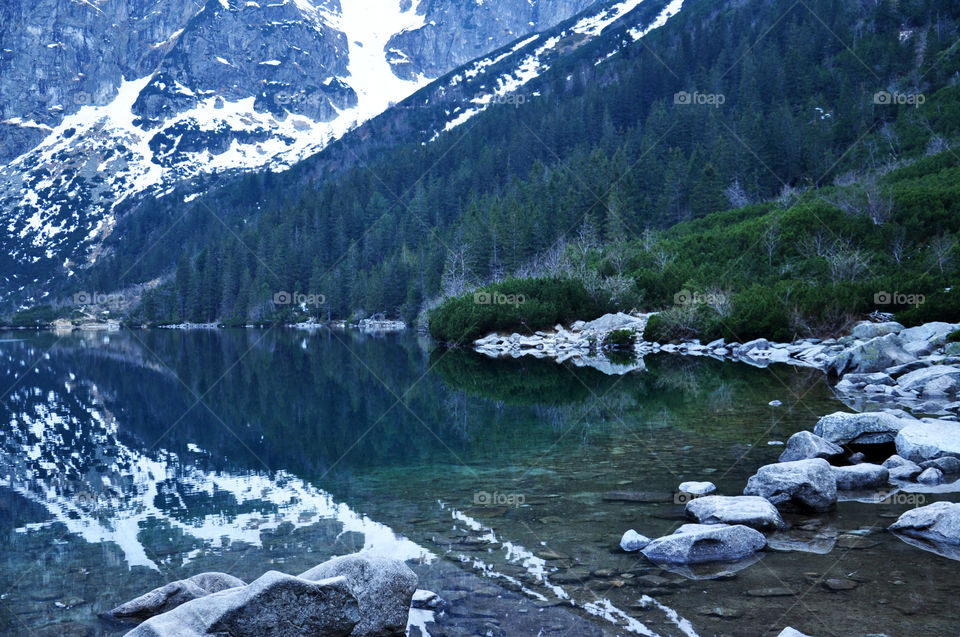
point(274, 605)
point(861, 476)
point(698, 543)
point(901, 468)
point(804, 445)
point(169, 596)
point(931, 476)
point(633, 541)
point(928, 440)
point(697, 488)
point(747, 510)
point(867, 428)
point(808, 484)
point(937, 522)
point(384, 588)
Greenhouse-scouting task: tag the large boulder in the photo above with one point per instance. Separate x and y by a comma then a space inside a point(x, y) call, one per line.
point(169, 596)
point(805, 484)
point(935, 332)
point(928, 440)
point(868, 330)
point(934, 381)
point(744, 509)
point(699, 543)
point(875, 355)
point(871, 427)
point(618, 321)
point(861, 476)
point(274, 605)
point(383, 586)
point(804, 445)
point(937, 522)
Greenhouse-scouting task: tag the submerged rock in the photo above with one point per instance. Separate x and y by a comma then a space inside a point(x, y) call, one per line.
point(808, 484)
point(861, 476)
point(844, 428)
point(274, 605)
point(937, 522)
point(384, 589)
point(169, 596)
point(748, 510)
point(804, 445)
point(698, 543)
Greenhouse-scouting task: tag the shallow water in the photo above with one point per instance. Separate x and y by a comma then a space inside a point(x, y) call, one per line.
point(130, 459)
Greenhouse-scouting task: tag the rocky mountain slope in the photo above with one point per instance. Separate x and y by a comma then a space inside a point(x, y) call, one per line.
point(103, 101)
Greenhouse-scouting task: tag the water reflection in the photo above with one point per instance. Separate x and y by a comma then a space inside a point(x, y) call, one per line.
point(130, 459)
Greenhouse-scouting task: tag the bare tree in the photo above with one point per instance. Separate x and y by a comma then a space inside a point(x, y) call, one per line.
point(898, 246)
point(662, 259)
point(846, 261)
point(771, 240)
point(879, 203)
point(457, 270)
point(940, 248)
point(736, 195)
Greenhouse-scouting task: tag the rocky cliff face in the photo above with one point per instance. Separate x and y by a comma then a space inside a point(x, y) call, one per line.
point(104, 100)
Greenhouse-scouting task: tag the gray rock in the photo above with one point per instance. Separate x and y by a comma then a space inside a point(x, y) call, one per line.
point(930, 476)
point(698, 543)
point(868, 330)
point(804, 445)
point(758, 344)
point(947, 464)
point(274, 605)
point(427, 600)
point(808, 484)
point(751, 511)
point(618, 321)
point(169, 596)
point(861, 476)
point(875, 355)
point(791, 632)
point(865, 428)
point(901, 468)
point(383, 587)
point(873, 378)
point(935, 331)
point(633, 541)
point(928, 440)
point(936, 380)
point(937, 522)
point(697, 488)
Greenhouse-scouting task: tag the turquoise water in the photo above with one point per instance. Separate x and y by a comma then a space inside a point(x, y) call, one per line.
point(130, 459)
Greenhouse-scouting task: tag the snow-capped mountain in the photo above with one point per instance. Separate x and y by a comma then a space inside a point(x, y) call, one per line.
point(103, 101)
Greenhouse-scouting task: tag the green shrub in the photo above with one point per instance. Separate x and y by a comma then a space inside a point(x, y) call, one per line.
point(619, 339)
